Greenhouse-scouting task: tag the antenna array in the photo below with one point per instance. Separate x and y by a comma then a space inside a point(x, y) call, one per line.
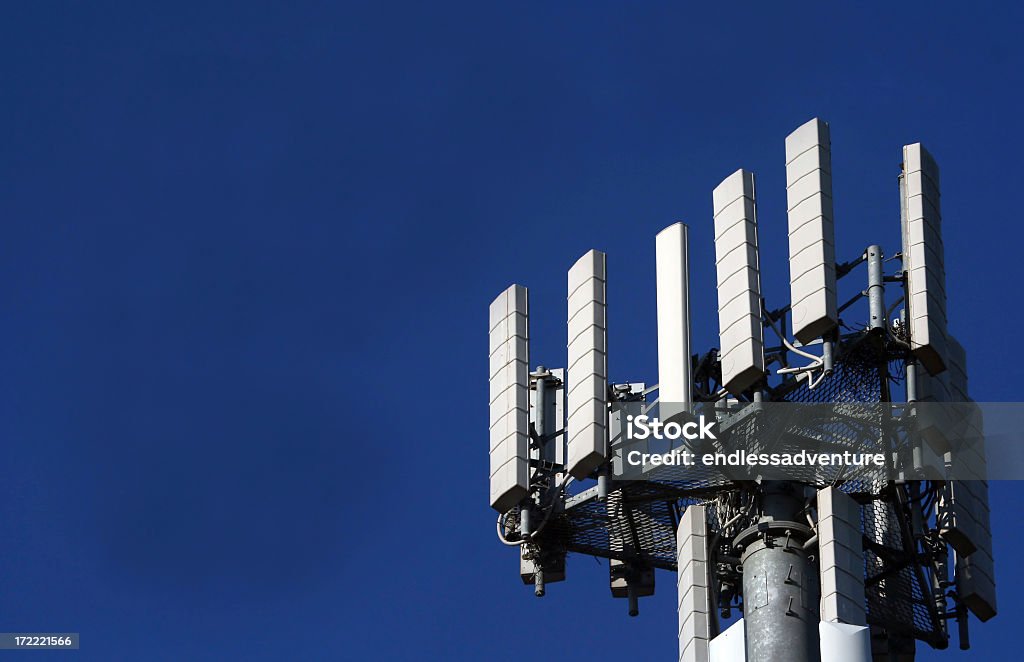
point(820, 568)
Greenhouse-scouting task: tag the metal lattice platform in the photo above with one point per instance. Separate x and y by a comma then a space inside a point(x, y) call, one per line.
point(638, 519)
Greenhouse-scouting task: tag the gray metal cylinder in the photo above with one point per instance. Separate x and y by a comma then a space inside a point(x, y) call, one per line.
point(781, 588)
point(876, 289)
point(780, 602)
point(911, 381)
point(540, 408)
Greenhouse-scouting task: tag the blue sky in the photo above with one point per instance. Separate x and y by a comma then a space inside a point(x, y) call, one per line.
point(247, 253)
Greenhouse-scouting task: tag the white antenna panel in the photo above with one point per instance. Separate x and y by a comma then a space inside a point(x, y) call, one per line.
point(957, 370)
point(976, 584)
point(693, 585)
point(673, 283)
point(965, 520)
point(923, 257)
point(509, 399)
point(841, 555)
point(739, 283)
point(812, 259)
point(966, 418)
point(968, 517)
point(932, 421)
point(587, 400)
point(975, 571)
point(964, 517)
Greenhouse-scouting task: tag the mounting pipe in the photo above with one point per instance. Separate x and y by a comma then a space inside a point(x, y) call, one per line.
point(962, 628)
point(876, 289)
point(827, 358)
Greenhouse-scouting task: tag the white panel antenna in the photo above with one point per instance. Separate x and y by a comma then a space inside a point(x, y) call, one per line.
point(964, 519)
point(509, 398)
point(812, 260)
point(841, 555)
point(932, 421)
point(587, 400)
point(975, 582)
point(673, 283)
point(964, 511)
point(957, 370)
point(923, 257)
point(739, 283)
point(964, 416)
point(693, 585)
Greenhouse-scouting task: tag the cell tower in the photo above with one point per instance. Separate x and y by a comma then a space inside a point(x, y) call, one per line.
point(815, 566)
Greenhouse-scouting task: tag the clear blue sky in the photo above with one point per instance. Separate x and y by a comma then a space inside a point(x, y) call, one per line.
point(246, 258)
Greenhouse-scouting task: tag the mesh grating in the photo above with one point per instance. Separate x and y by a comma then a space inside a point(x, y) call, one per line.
point(637, 521)
point(896, 596)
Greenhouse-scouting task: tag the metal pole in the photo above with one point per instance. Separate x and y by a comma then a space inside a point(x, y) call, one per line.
point(962, 628)
point(781, 589)
point(634, 603)
point(876, 289)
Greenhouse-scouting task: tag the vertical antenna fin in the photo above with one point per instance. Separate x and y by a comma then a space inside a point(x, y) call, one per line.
point(693, 585)
point(841, 558)
point(587, 373)
point(923, 257)
point(739, 283)
point(966, 522)
point(509, 398)
point(673, 285)
point(812, 259)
